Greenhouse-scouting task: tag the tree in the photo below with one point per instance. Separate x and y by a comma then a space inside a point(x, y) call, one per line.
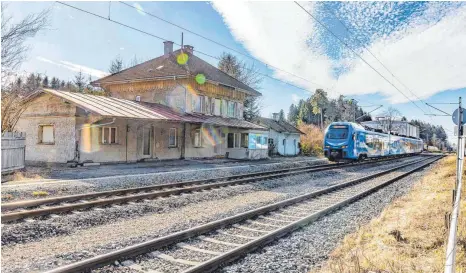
point(281, 115)
point(45, 82)
point(292, 114)
point(247, 74)
point(79, 81)
point(55, 84)
point(62, 84)
point(14, 36)
point(388, 119)
point(116, 65)
point(319, 102)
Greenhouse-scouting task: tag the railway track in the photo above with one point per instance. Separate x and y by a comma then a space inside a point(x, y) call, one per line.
point(50, 206)
point(220, 242)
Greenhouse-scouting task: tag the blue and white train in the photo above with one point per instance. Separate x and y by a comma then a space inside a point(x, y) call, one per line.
point(350, 141)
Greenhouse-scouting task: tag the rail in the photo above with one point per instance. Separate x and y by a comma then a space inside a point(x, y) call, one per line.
point(283, 208)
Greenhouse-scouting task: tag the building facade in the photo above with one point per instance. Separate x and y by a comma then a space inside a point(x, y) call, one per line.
point(173, 106)
point(283, 137)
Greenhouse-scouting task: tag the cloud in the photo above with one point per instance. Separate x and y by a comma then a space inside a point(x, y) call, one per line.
point(295, 98)
point(122, 48)
point(75, 67)
point(139, 8)
point(425, 51)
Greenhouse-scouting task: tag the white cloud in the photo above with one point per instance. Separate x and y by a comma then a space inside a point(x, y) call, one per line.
point(75, 67)
point(139, 8)
point(295, 98)
point(426, 55)
point(122, 48)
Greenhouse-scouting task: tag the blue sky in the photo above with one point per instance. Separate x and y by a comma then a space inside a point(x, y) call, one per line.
point(419, 42)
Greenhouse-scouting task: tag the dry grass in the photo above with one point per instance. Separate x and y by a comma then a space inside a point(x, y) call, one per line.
point(312, 140)
point(410, 235)
point(40, 193)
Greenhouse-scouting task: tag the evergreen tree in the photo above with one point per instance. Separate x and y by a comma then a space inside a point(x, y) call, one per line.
point(45, 82)
point(79, 81)
point(62, 84)
point(55, 83)
point(281, 115)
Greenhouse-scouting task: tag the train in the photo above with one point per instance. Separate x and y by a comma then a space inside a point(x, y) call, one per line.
point(348, 141)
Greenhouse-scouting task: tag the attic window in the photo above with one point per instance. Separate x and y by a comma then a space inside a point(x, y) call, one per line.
point(159, 67)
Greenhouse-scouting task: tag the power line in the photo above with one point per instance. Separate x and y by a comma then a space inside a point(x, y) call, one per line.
point(344, 43)
point(373, 55)
point(163, 39)
point(218, 43)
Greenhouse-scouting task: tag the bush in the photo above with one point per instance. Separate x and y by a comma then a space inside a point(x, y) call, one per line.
point(40, 193)
point(312, 140)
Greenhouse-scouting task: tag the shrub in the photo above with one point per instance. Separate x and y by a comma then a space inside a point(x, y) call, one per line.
point(39, 193)
point(312, 140)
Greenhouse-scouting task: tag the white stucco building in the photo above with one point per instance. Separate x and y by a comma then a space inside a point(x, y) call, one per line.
point(284, 138)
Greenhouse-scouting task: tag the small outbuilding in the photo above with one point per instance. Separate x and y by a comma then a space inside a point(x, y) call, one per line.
point(284, 138)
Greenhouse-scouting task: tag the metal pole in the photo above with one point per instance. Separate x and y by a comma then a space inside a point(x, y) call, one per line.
point(451, 247)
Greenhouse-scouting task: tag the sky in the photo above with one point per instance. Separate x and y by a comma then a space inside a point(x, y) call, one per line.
point(395, 54)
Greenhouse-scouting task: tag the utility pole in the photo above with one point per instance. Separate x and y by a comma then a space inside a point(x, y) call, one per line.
point(451, 247)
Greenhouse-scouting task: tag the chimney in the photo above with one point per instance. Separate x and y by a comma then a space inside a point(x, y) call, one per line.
point(276, 116)
point(167, 48)
point(188, 49)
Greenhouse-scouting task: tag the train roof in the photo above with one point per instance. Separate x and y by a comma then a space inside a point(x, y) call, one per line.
point(359, 127)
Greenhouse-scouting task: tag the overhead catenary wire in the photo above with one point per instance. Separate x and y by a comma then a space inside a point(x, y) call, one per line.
point(358, 55)
point(163, 39)
point(219, 44)
point(375, 57)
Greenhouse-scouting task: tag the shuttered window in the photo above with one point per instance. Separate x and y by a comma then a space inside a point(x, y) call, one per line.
point(109, 135)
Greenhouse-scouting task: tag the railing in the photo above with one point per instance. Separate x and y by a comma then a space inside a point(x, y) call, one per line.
point(13, 151)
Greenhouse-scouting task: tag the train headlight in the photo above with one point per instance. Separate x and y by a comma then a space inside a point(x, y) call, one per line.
point(327, 146)
point(344, 146)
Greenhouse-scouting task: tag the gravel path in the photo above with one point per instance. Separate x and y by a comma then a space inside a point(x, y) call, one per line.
point(79, 237)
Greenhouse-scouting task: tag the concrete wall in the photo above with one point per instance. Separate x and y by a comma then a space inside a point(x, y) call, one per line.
point(49, 110)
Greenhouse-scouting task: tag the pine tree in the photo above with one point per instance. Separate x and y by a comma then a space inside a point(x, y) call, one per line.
point(45, 82)
point(62, 84)
point(55, 83)
point(79, 81)
point(281, 115)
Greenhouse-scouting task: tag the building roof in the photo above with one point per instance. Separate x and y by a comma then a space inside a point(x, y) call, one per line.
point(278, 126)
point(114, 107)
point(167, 67)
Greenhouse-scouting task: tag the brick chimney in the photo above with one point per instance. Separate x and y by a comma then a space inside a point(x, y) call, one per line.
point(188, 49)
point(167, 48)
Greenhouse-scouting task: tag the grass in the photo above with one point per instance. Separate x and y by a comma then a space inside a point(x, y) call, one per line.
point(411, 234)
point(39, 193)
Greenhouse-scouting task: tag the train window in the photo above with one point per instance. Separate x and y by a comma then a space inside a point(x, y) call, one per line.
point(337, 133)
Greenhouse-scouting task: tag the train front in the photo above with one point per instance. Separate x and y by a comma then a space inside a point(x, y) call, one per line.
point(337, 141)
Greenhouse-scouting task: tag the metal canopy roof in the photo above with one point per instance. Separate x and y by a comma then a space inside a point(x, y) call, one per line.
point(114, 107)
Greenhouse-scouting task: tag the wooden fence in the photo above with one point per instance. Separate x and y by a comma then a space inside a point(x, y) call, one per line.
point(13, 151)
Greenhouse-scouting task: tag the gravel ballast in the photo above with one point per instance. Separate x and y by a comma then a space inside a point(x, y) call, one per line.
point(307, 248)
point(96, 243)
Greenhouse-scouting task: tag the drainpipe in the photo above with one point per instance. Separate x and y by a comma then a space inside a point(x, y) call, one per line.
point(126, 140)
point(183, 141)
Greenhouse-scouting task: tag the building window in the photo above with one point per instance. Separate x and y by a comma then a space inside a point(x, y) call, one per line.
point(197, 103)
point(234, 140)
point(244, 140)
point(46, 134)
point(231, 109)
point(217, 107)
point(197, 138)
point(212, 106)
point(172, 138)
point(109, 135)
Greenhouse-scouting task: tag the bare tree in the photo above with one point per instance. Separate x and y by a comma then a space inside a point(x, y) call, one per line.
point(247, 74)
point(14, 37)
point(116, 65)
point(388, 118)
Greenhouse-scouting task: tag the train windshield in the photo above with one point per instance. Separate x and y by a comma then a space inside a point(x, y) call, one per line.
point(337, 132)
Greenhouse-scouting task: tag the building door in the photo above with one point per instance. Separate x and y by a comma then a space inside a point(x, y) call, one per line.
point(146, 141)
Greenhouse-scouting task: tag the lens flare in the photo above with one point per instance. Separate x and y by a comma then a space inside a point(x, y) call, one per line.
point(211, 135)
point(182, 58)
point(86, 139)
point(200, 78)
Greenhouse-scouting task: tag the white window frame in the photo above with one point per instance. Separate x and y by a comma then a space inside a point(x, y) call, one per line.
point(237, 140)
point(109, 135)
point(199, 133)
point(41, 134)
point(169, 137)
point(217, 107)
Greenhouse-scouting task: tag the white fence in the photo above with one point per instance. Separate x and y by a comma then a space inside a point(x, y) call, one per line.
point(13, 151)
